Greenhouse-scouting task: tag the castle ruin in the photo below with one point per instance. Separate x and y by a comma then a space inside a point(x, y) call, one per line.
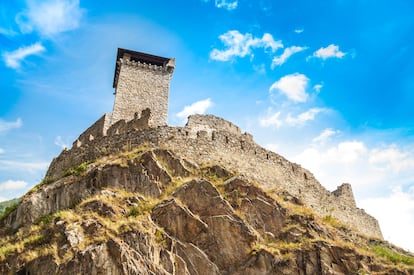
point(140, 117)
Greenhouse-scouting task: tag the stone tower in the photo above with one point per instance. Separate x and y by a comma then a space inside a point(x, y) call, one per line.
point(141, 81)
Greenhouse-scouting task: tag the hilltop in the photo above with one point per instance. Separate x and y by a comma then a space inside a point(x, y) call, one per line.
point(148, 211)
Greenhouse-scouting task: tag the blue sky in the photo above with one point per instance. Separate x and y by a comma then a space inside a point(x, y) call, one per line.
point(327, 84)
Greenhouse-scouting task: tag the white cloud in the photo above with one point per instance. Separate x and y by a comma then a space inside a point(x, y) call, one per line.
point(318, 87)
point(272, 119)
point(275, 119)
point(293, 86)
point(332, 51)
point(13, 59)
point(304, 117)
point(50, 17)
point(354, 162)
point(288, 52)
point(12, 185)
point(391, 159)
point(6, 125)
point(395, 214)
point(325, 135)
point(2, 151)
point(10, 165)
point(272, 147)
point(59, 142)
point(298, 30)
point(198, 107)
point(7, 32)
point(229, 5)
point(3, 199)
point(260, 69)
point(240, 45)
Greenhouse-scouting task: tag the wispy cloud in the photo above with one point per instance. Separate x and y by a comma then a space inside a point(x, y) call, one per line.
point(241, 45)
point(304, 117)
point(12, 185)
point(59, 142)
point(7, 32)
point(331, 51)
point(13, 59)
point(271, 120)
point(226, 4)
point(2, 151)
point(5, 126)
point(199, 107)
point(50, 17)
point(298, 31)
point(325, 135)
point(12, 165)
point(318, 87)
point(276, 119)
point(288, 52)
point(293, 86)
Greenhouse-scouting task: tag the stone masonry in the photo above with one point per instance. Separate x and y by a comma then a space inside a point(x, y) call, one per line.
point(141, 81)
point(208, 139)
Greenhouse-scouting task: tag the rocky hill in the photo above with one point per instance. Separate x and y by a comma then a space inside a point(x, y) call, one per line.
point(148, 210)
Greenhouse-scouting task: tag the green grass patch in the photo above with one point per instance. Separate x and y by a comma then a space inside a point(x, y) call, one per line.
point(332, 221)
point(391, 255)
point(78, 170)
point(10, 209)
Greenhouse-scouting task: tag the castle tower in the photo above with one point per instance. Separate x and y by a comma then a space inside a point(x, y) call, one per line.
point(141, 81)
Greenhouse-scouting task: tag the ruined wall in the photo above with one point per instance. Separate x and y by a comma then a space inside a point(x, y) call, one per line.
point(98, 129)
point(142, 86)
point(236, 152)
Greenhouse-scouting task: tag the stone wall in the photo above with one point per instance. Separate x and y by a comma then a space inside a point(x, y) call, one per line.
point(141, 86)
point(98, 129)
point(235, 151)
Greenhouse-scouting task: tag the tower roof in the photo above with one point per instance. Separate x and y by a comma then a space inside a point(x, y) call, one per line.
point(138, 57)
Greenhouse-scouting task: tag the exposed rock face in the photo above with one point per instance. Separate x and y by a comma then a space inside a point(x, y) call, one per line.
point(210, 139)
point(148, 211)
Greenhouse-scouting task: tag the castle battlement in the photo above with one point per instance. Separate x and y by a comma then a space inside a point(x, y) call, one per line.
point(209, 139)
point(140, 116)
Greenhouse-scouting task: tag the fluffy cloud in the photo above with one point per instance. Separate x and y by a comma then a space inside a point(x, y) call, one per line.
point(293, 86)
point(332, 51)
point(288, 52)
point(6, 125)
point(240, 45)
point(304, 117)
point(14, 58)
point(199, 107)
point(229, 5)
point(12, 185)
point(355, 162)
point(50, 17)
point(395, 214)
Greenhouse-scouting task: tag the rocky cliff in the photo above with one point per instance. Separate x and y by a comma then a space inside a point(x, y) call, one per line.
point(148, 210)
